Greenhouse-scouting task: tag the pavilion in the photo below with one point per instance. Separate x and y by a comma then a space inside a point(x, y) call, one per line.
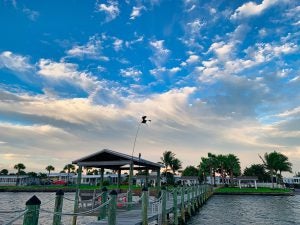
point(109, 159)
point(248, 180)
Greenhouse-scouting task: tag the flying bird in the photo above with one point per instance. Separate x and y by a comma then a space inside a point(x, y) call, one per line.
point(144, 120)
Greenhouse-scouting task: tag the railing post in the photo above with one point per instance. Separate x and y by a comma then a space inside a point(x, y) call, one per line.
point(189, 202)
point(129, 199)
point(102, 212)
point(182, 205)
point(112, 208)
point(175, 206)
point(193, 198)
point(31, 217)
point(164, 206)
point(58, 207)
point(145, 203)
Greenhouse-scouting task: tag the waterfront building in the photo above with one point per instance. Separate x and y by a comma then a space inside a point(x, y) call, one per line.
point(13, 180)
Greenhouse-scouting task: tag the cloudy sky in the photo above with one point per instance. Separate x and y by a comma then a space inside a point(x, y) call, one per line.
point(213, 76)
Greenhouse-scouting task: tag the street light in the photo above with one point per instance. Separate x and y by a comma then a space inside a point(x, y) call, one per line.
point(144, 121)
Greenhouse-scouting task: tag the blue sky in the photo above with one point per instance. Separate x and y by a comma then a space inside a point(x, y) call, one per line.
point(214, 76)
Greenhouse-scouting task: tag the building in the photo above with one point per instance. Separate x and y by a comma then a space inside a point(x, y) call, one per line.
point(291, 180)
point(96, 179)
point(13, 180)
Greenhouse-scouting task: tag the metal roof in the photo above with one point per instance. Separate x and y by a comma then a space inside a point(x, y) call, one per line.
point(110, 159)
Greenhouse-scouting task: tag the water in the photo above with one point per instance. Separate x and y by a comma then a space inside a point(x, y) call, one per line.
point(245, 210)
point(15, 201)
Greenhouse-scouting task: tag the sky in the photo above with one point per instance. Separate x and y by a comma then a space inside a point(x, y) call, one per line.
point(213, 76)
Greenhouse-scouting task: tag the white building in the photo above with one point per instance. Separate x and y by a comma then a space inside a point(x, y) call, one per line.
point(291, 180)
point(12, 180)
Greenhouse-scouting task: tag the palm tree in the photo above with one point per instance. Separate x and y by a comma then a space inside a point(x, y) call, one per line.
point(213, 163)
point(270, 162)
point(175, 165)
point(19, 167)
point(4, 172)
point(233, 166)
point(69, 168)
point(221, 163)
point(49, 169)
point(283, 164)
point(167, 158)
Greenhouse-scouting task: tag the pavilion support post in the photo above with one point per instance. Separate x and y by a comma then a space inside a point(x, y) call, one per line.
point(255, 184)
point(77, 195)
point(240, 184)
point(189, 202)
point(145, 203)
point(119, 178)
point(158, 186)
point(58, 207)
point(102, 177)
point(147, 177)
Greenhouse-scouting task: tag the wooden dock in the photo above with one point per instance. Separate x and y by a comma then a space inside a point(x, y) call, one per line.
point(193, 198)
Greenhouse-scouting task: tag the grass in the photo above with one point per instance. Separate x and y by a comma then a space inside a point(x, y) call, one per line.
point(260, 190)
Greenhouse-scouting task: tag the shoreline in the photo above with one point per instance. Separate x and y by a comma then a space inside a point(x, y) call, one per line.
point(261, 194)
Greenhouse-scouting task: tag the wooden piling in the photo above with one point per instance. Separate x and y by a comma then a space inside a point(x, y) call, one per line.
point(58, 207)
point(31, 217)
point(112, 208)
point(103, 210)
point(145, 203)
point(182, 209)
point(164, 206)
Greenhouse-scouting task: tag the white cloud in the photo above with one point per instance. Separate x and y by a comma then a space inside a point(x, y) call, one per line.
point(136, 12)
point(161, 53)
point(252, 9)
point(62, 71)
point(118, 43)
point(31, 14)
point(92, 49)
point(14, 62)
point(193, 59)
point(111, 10)
point(175, 70)
point(222, 49)
point(131, 72)
point(195, 26)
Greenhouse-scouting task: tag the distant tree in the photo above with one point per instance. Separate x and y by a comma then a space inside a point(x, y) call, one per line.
point(69, 168)
point(276, 162)
point(297, 174)
point(257, 170)
point(32, 174)
point(221, 165)
point(42, 176)
point(19, 167)
point(4, 172)
point(49, 169)
point(175, 165)
point(190, 171)
point(233, 166)
point(167, 158)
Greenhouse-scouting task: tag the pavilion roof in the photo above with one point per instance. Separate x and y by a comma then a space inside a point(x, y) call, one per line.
point(110, 159)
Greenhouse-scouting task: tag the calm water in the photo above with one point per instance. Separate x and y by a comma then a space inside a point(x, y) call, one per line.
point(15, 201)
point(245, 210)
point(231, 210)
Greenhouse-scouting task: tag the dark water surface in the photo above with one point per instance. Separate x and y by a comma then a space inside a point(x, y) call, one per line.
point(244, 210)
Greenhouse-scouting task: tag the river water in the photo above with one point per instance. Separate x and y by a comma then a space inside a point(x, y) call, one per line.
point(245, 210)
point(230, 210)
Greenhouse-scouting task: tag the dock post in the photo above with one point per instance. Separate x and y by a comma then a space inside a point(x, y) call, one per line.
point(164, 206)
point(175, 206)
point(76, 202)
point(193, 199)
point(129, 199)
point(58, 207)
point(102, 212)
point(31, 217)
point(145, 203)
point(112, 208)
point(182, 206)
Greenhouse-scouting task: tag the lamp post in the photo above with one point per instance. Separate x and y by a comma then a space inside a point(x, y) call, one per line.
point(130, 182)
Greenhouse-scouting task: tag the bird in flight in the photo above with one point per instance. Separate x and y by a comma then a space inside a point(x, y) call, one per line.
point(144, 120)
